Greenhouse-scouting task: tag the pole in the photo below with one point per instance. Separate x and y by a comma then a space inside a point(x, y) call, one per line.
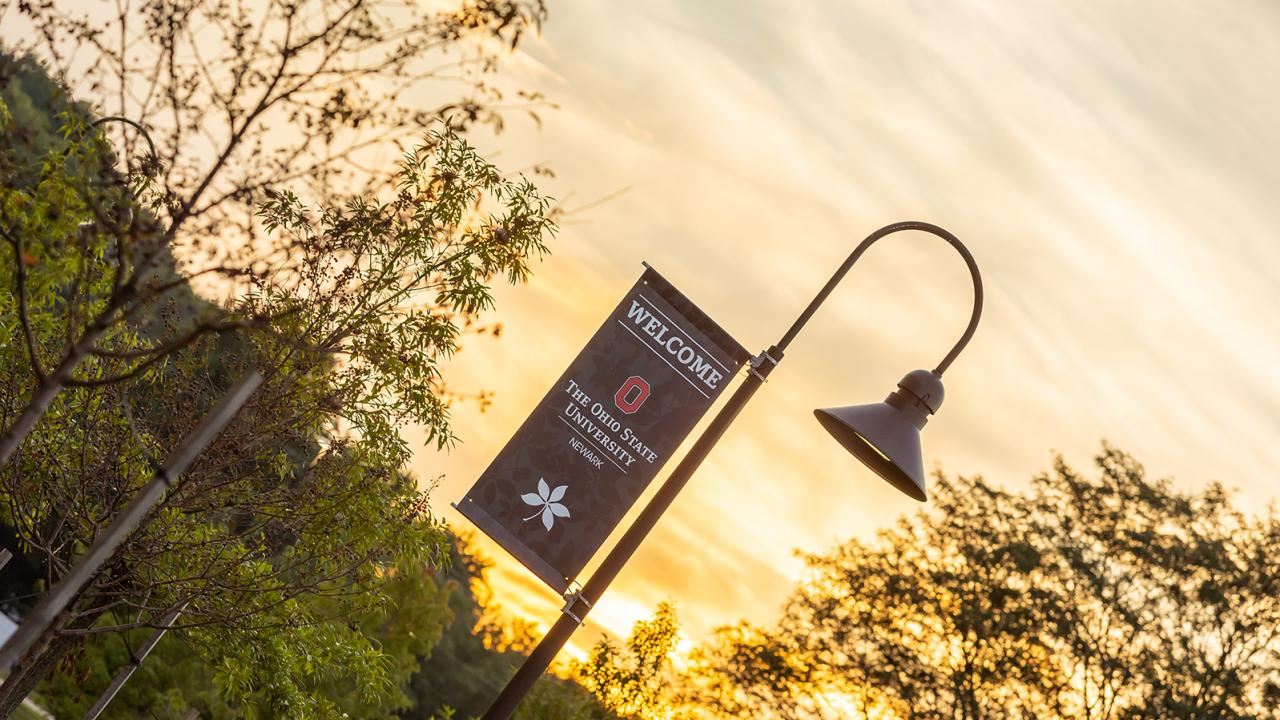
point(88, 565)
point(5, 557)
point(540, 659)
point(763, 364)
point(135, 661)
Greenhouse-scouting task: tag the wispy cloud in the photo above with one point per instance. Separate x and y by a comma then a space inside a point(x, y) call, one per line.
point(1112, 166)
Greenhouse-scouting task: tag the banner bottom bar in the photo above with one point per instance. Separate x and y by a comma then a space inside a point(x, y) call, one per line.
point(499, 534)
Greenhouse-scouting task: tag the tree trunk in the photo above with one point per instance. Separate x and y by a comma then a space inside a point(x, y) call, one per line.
point(30, 670)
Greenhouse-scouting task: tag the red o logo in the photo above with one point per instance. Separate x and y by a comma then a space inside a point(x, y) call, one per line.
point(632, 394)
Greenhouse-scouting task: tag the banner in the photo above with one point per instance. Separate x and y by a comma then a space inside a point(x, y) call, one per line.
point(592, 445)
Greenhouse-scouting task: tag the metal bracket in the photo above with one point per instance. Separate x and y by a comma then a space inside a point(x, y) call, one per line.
point(758, 361)
point(570, 599)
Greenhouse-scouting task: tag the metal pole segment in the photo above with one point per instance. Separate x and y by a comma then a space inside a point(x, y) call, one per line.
point(88, 565)
point(5, 557)
point(550, 645)
point(135, 661)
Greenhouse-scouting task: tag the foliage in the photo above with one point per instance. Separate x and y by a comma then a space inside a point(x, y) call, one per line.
point(381, 285)
point(463, 673)
point(287, 526)
point(557, 698)
point(34, 102)
point(287, 530)
point(219, 86)
point(173, 679)
point(176, 677)
point(405, 629)
point(480, 651)
point(449, 651)
point(1115, 596)
point(67, 210)
point(242, 98)
point(65, 215)
point(633, 682)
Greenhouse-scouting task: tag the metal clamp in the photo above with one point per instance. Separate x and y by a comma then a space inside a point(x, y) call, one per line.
point(570, 598)
point(758, 361)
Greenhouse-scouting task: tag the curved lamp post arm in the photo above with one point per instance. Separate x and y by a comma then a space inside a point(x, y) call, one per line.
point(857, 253)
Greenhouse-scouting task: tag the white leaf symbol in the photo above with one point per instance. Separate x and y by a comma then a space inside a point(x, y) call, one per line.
point(547, 502)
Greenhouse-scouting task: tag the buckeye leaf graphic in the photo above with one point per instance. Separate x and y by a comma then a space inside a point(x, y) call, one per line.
point(547, 501)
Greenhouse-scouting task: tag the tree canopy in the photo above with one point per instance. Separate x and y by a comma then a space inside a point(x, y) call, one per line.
point(298, 519)
point(1104, 596)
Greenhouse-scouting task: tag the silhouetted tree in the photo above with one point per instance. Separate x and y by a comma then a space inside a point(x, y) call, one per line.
point(1108, 597)
point(633, 681)
point(241, 99)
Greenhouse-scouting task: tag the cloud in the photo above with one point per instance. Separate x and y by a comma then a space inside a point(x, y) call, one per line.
point(1111, 166)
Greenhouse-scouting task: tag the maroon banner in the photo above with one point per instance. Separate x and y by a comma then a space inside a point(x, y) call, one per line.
point(598, 438)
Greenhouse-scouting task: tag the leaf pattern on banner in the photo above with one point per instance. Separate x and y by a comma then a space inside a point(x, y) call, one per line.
point(547, 501)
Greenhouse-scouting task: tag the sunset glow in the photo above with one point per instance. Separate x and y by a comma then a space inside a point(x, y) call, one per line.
point(1111, 167)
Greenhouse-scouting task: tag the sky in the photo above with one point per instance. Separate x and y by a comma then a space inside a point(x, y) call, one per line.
point(1112, 166)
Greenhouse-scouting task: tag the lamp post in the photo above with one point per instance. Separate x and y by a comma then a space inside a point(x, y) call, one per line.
point(884, 436)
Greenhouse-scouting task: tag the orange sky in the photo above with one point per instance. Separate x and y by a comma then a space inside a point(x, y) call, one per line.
point(1112, 166)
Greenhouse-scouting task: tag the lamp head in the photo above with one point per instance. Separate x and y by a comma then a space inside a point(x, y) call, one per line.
point(885, 436)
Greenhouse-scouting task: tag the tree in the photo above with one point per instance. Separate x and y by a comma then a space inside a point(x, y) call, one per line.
point(1168, 603)
point(290, 521)
point(243, 101)
point(633, 682)
point(177, 678)
point(480, 651)
point(1115, 596)
point(245, 98)
point(61, 204)
point(449, 648)
point(217, 100)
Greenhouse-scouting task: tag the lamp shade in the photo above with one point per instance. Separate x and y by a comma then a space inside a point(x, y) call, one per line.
point(885, 436)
